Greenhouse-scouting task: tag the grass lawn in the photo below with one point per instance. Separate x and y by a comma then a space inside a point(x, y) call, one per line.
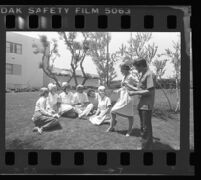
point(81, 134)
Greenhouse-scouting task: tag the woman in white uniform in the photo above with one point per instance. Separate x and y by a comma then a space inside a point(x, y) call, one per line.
point(104, 104)
point(66, 108)
point(81, 102)
point(52, 99)
point(124, 105)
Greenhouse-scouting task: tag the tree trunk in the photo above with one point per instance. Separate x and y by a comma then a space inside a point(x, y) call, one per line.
point(74, 74)
point(84, 80)
point(48, 71)
point(69, 80)
point(177, 96)
point(83, 72)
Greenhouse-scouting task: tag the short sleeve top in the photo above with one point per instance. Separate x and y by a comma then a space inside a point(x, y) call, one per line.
point(80, 98)
point(94, 100)
point(130, 80)
point(65, 98)
point(40, 104)
point(52, 100)
point(104, 103)
point(147, 82)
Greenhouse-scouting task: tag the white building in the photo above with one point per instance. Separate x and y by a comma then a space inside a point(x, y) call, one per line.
point(22, 65)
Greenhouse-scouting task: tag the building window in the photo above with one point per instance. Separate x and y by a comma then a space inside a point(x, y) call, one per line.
point(9, 68)
point(14, 69)
point(13, 48)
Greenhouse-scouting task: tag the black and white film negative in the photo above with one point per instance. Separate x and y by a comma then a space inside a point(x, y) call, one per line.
point(96, 90)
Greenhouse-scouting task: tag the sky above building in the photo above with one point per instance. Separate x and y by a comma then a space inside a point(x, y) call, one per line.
point(163, 40)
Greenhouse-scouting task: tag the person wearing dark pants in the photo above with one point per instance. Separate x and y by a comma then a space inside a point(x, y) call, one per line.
point(70, 114)
point(146, 103)
point(146, 128)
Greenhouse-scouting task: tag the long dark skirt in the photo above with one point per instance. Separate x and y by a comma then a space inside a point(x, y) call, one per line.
point(70, 114)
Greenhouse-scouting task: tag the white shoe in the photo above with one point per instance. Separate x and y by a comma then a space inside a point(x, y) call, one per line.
point(80, 115)
point(110, 129)
point(35, 129)
point(127, 135)
point(40, 130)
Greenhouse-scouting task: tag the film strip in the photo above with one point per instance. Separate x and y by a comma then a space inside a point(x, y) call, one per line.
point(98, 19)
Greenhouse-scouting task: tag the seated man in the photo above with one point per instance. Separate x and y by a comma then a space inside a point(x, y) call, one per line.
point(66, 108)
point(82, 105)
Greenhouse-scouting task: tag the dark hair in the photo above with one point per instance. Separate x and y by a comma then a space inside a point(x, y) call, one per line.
point(66, 87)
point(89, 91)
point(125, 66)
point(140, 62)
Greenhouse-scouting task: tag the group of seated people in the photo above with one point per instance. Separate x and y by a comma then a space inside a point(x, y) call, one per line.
point(92, 105)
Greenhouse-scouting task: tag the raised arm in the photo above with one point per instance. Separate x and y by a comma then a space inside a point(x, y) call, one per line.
point(139, 92)
point(150, 85)
point(131, 87)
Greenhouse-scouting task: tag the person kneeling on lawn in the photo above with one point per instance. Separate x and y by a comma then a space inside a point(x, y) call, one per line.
point(82, 105)
point(103, 112)
point(43, 119)
point(66, 108)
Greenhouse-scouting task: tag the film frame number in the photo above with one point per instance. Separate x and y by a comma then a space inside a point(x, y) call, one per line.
point(121, 11)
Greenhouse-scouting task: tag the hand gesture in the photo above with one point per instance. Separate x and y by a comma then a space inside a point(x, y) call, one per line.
point(131, 93)
point(56, 116)
point(123, 83)
point(116, 90)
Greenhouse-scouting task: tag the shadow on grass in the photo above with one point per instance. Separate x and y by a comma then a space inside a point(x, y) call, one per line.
point(21, 144)
point(135, 132)
point(157, 145)
point(55, 128)
point(164, 114)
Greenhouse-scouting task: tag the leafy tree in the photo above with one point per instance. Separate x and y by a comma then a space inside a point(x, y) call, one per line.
point(138, 47)
point(175, 57)
point(160, 71)
point(78, 50)
point(104, 61)
point(48, 56)
point(160, 67)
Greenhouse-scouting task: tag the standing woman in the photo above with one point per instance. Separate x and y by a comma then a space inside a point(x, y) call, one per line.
point(52, 99)
point(124, 105)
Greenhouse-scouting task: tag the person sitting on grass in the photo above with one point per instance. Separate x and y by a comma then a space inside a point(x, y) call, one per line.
point(103, 112)
point(93, 98)
point(43, 119)
point(66, 108)
point(82, 105)
point(52, 99)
